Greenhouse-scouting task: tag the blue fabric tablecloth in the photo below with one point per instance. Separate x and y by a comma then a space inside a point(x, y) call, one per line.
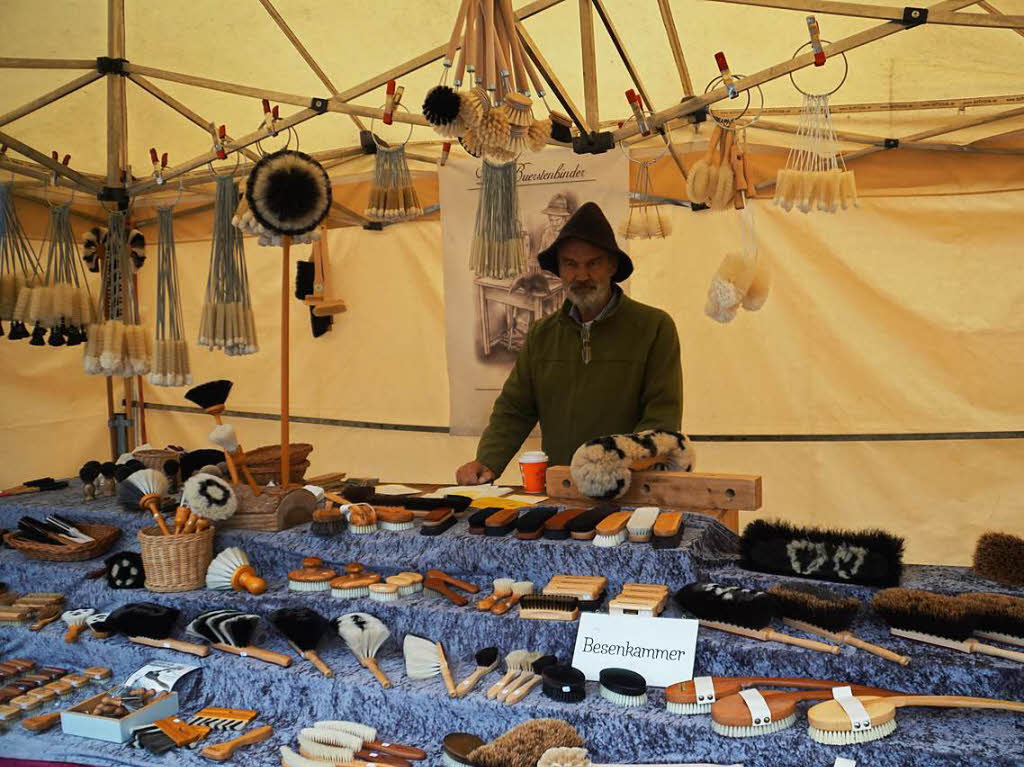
point(420, 713)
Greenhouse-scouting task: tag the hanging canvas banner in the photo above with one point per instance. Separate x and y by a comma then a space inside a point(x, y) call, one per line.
point(494, 288)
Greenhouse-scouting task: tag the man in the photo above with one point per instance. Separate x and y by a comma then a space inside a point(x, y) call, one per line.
point(557, 211)
point(603, 364)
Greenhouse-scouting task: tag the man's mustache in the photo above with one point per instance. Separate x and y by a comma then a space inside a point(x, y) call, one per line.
point(583, 286)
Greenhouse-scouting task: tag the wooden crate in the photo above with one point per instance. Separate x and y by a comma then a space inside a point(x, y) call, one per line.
point(274, 509)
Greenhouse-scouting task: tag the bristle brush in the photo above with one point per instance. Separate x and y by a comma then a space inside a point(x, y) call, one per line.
point(516, 662)
point(364, 634)
point(1000, 617)
point(486, 661)
point(936, 619)
point(831, 725)
point(740, 611)
point(145, 489)
point(303, 628)
point(425, 659)
point(695, 696)
point(233, 632)
point(209, 498)
point(826, 613)
point(150, 624)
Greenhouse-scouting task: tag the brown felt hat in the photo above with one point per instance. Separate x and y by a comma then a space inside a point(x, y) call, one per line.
point(589, 224)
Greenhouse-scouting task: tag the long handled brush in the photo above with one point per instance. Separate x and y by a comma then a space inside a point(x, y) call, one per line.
point(733, 717)
point(516, 662)
point(150, 624)
point(145, 490)
point(831, 725)
point(364, 634)
point(233, 632)
point(936, 619)
point(211, 397)
point(740, 611)
point(425, 659)
point(486, 662)
point(691, 698)
point(1000, 617)
point(826, 613)
point(303, 628)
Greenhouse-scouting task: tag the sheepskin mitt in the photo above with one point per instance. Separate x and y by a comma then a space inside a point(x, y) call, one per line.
point(525, 744)
point(741, 280)
point(601, 468)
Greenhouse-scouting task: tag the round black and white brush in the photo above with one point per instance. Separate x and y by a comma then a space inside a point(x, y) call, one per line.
point(303, 628)
point(441, 108)
point(288, 192)
point(150, 624)
point(125, 571)
point(623, 687)
point(144, 490)
point(207, 498)
point(740, 611)
point(108, 469)
point(364, 634)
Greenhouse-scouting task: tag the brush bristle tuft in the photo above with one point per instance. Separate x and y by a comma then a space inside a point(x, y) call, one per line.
point(209, 394)
point(821, 607)
point(849, 737)
point(926, 613)
point(727, 604)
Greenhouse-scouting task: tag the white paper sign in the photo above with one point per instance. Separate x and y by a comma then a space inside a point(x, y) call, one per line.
point(661, 650)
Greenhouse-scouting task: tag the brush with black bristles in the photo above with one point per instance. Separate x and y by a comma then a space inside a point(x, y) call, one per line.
point(937, 619)
point(233, 632)
point(1000, 617)
point(124, 470)
point(740, 611)
point(826, 613)
point(305, 284)
point(144, 490)
point(211, 396)
point(487, 661)
point(303, 628)
point(149, 624)
point(107, 470)
point(88, 473)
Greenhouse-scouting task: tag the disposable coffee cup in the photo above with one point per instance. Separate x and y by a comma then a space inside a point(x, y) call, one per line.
point(533, 466)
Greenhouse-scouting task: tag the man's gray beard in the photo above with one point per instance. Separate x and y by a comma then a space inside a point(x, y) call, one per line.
point(591, 300)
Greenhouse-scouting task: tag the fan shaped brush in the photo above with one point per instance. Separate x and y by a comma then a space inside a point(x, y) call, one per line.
point(233, 632)
point(207, 497)
point(150, 624)
point(226, 439)
point(303, 628)
point(425, 659)
point(231, 569)
point(739, 611)
point(364, 634)
point(145, 490)
point(826, 613)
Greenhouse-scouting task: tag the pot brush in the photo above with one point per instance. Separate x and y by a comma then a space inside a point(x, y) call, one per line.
point(145, 490)
point(231, 569)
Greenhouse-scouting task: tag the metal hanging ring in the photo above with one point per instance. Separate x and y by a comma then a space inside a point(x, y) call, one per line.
point(181, 190)
point(624, 148)
point(290, 133)
point(734, 123)
point(842, 81)
point(46, 193)
point(374, 133)
point(238, 161)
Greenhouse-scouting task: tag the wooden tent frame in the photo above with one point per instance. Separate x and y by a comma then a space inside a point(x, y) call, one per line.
point(118, 186)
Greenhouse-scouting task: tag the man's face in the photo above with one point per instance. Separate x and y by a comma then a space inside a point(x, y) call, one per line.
point(586, 271)
point(556, 221)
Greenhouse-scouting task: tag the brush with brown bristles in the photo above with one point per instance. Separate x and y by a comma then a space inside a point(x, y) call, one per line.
point(1000, 617)
point(937, 619)
point(826, 613)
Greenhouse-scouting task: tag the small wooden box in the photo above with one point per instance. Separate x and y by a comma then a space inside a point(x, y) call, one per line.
point(74, 721)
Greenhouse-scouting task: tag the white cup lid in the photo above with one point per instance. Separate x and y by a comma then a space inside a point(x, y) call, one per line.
point(533, 456)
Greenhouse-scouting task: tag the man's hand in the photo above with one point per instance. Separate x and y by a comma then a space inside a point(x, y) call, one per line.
point(473, 473)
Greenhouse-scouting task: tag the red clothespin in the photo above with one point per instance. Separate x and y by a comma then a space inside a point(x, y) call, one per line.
point(159, 165)
point(727, 80)
point(446, 149)
point(270, 117)
point(220, 141)
point(389, 103)
point(56, 158)
point(819, 53)
point(638, 112)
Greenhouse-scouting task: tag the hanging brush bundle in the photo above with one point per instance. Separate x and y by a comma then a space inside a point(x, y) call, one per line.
point(497, 249)
point(227, 321)
point(392, 196)
point(170, 364)
point(19, 266)
point(442, 105)
point(62, 303)
point(646, 219)
point(118, 344)
point(815, 174)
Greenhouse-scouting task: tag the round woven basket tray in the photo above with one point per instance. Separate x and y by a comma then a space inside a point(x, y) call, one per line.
point(175, 562)
point(155, 459)
point(105, 536)
point(265, 462)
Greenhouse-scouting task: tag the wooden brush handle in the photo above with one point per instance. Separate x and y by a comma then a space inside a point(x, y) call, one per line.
point(469, 39)
point(874, 649)
point(449, 54)
point(487, 602)
point(232, 469)
point(508, 20)
point(73, 632)
point(490, 44)
point(371, 663)
point(400, 750)
point(41, 723)
point(154, 509)
point(239, 456)
point(446, 672)
point(807, 644)
point(268, 656)
point(955, 701)
point(315, 659)
point(716, 137)
point(379, 757)
point(190, 524)
point(496, 688)
point(202, 524)
point(221, 752)
point(200, 650)
point(523, 690)
point(471, 681)
point(514, 685)
point(39, 624)
point(998, 652)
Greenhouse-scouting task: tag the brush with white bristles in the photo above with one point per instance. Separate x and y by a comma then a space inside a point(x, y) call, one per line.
point(641, 524)
point(225, 437)
point(208, 499)
point(364, 634)
point(145, 490)
point(516, 662)
point(231, 569)
point(425, 659)
point(362, 739)
point(362, 731)
point(328, 746)
point(502, 588)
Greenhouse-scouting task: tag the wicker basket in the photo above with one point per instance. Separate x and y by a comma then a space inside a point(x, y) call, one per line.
point(265, 462)
point(155, 459)
point(175, 562)
point(105, 536)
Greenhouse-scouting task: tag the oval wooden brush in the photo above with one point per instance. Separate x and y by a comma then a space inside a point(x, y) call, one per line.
point(699, 178)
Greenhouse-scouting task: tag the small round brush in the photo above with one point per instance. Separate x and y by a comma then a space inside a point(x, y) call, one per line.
point(207, 497)
point(311, 577)
point(623, 687)
point(88, 473)
point(487, 661)
point(145, 490)
point(441, 107)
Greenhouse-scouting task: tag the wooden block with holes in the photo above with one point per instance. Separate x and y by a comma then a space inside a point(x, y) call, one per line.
point(645, 599)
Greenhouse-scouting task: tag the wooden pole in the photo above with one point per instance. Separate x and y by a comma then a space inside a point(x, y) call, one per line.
point(6, 62)
point(553, 82)
point(988, 7)
point(49, 98)
point(286, 245)
point(849, 43)
point(115, 92)
point(46, 161)
point(676, 46)
point(864, 10)
point(589, 51)
point(892, 106)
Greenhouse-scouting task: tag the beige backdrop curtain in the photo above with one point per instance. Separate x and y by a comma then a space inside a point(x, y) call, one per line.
point(902, 316)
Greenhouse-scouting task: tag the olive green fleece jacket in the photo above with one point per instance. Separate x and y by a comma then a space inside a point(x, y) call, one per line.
point(633, 381)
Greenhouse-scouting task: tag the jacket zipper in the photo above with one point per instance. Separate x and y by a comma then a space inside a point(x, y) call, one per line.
point(585, 334)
